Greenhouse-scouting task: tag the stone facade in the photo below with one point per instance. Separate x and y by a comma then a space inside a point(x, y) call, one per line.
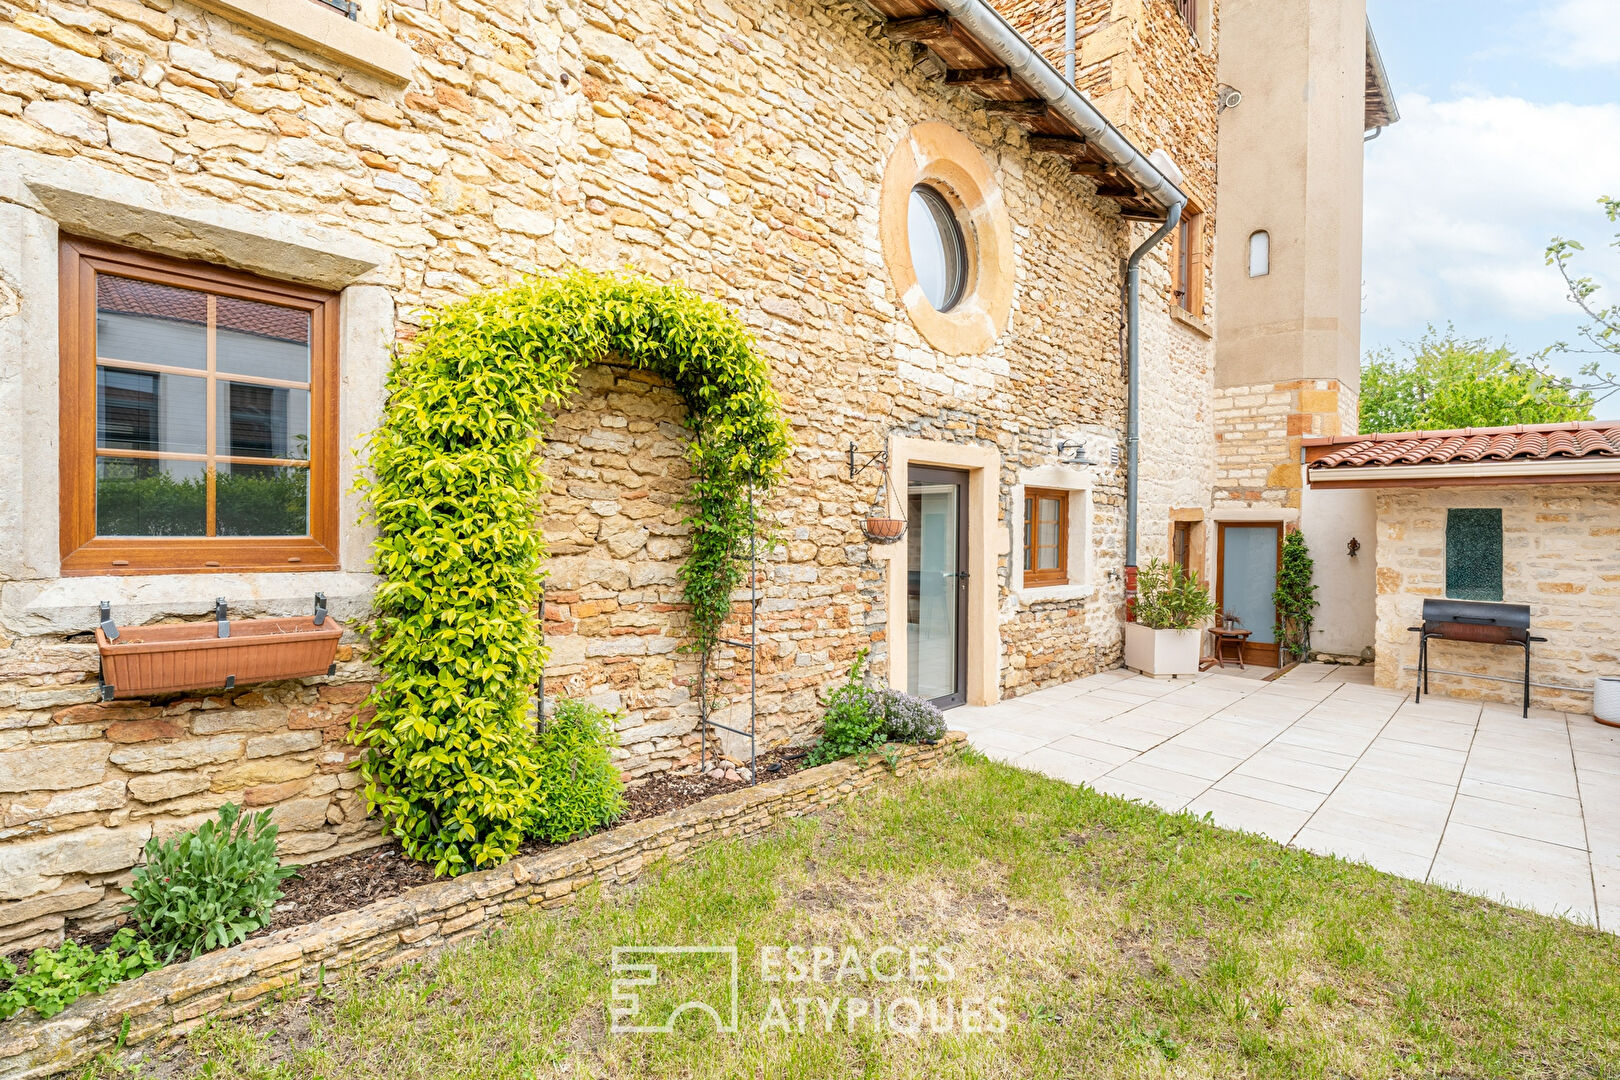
point(1560, 554)
point(737, 146)
point(165, 1004)
point(1257, 435)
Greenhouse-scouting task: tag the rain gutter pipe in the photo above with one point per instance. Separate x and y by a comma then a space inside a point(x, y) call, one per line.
point(1007, 45)
point(1133, 393)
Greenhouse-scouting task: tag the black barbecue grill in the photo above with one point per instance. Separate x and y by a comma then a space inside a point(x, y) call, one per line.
point(1474, 620)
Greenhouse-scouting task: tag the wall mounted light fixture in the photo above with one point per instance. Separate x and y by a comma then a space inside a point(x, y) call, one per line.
point(1073, 453)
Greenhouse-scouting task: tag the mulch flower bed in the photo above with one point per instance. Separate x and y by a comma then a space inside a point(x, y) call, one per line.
point(352, 881)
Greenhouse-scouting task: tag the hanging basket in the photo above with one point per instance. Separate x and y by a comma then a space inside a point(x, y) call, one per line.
point(879, 527)
point(884, 530)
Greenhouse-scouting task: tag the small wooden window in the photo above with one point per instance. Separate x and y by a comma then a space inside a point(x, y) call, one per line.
point(198, 415)
point(1046, 537)
point(1189, 13)
point(1187, 262)
point(1181, 544)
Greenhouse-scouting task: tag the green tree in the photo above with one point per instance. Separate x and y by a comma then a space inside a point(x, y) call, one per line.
point(1447, 381)
point(1601, 331)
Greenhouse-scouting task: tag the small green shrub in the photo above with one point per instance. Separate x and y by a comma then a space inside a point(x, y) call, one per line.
point(1295, 596)
point(853, 722)
point(53, 979)
point(1170, 597)
point(209, 888)
point(580, 787)
point(909, 719)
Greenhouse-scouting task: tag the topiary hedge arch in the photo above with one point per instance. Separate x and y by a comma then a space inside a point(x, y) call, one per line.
point(455, 493)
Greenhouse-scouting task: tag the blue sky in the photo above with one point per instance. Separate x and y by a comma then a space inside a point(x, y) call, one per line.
point(1509, 131)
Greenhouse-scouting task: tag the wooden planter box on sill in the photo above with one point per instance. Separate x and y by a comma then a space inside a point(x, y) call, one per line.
point(192, 656)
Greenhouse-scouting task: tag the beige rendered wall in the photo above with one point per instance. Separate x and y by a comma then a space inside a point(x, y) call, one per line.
point(1291, 163)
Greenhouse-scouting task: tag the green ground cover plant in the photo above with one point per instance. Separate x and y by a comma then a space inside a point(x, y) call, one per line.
point(53, 979)
point(209, 887)
point(1123, 943)
point(455, 491)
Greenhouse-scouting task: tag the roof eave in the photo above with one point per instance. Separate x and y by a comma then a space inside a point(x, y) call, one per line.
point(1379, 109)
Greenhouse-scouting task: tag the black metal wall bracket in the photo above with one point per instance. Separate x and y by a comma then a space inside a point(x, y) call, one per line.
point(874, 458)
point(220, 619)
point(108, 627)
point(320, 608)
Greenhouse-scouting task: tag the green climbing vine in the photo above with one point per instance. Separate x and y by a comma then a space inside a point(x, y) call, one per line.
point(1295, 596)
point(455, 492)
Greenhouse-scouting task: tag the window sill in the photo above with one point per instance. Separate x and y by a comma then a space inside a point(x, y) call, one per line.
point(323, 32)
point(70, 605)
point(1028, 595)
point(1189, 320)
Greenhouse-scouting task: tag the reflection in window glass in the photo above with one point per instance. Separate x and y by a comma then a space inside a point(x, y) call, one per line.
point(150, 323)
point(261, 500)
point(143, 497)
point(141, 410)
point(169, 465)
point(266, 341)
point(261, 421)
point(938, 247)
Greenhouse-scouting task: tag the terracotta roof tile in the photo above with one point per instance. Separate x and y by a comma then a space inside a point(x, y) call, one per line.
point(1526, 442)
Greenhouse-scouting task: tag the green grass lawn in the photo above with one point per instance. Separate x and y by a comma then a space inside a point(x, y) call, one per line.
point(1120, 941)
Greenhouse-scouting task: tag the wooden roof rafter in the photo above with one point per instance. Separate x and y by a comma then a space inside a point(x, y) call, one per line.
point(962, 62)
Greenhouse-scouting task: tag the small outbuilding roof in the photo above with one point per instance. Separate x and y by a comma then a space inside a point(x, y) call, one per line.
point(1586, 451)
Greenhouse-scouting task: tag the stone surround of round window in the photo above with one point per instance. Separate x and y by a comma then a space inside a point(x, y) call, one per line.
point(946, 239)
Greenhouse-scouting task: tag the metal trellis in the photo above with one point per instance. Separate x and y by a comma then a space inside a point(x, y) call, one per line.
point(752, 645)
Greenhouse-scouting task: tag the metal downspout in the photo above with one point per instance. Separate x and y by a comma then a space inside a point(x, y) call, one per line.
point(1133, 398)
point(1068, 41)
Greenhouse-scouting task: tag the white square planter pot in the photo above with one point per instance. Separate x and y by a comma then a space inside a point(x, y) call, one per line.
point(1161, 652)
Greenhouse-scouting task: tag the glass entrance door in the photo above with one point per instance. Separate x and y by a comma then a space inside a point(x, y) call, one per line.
point(936, 589)
point(1245, 579)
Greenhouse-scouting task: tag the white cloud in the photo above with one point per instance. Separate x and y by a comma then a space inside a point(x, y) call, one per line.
point(1582, 33)
point(1461, 199)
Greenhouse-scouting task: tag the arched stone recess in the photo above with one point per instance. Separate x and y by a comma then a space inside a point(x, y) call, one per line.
point(457, 489)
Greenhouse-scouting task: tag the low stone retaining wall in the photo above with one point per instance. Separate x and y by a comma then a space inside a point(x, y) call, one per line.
point(167, 1003)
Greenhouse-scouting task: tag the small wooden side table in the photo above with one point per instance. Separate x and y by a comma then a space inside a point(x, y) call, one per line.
point(1221, 636)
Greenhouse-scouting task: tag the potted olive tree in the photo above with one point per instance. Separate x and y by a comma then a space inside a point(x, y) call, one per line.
point(1172, 606)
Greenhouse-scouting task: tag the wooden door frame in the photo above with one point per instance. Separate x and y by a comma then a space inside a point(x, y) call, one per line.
point(1260, 653)
point(938, 474)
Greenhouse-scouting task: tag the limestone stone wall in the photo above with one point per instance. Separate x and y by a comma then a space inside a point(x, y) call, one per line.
point(737, 145)
point(83, 791)
point(1560, 555)
point(1258, 431)
point(164, 1005)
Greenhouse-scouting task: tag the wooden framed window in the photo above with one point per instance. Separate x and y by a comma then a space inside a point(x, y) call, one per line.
point(1189, 13)
point(1187, 262)
point(199, 417)
point(1046, 537)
